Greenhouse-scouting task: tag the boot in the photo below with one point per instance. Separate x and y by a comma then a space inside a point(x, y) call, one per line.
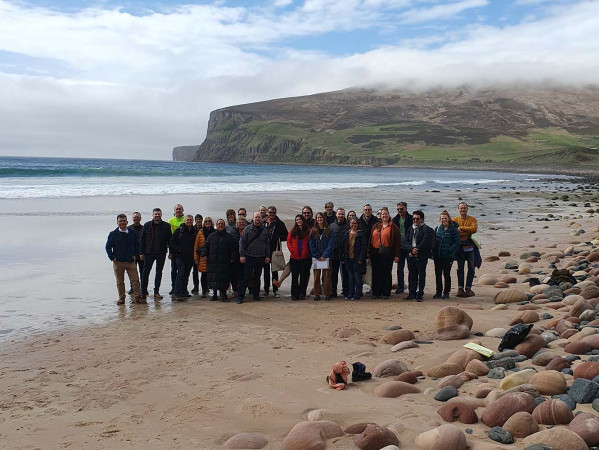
point(461, 293)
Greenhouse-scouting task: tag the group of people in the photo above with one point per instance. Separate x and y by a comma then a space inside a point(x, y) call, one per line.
point(233, 254)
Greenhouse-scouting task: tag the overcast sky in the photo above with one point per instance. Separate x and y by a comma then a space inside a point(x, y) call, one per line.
point(133, 78)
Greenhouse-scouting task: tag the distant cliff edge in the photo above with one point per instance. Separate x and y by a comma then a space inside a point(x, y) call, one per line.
point(185, 152)
point(486, 128)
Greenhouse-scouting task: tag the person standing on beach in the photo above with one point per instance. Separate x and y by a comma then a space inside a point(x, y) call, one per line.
point(220, 256)
point(329, 213)
point(307, 213)
point(418, 244)
point(155, 239)
point(322, 246)
point(367, 220)
point(231, 219)
point(195, 272)
point(384, 247)
point(254, 252)
point(237, 267)
point(467, 226)
point(137, 227)
point(181, 249)
point(175, 222)
point(263, 211)
point(207, 230)
point(242, 212)
point(447, 240)
point(277, 233)
point(403, 220)
point(339, 228)
point(299, 259)
point(122, 248)
point(355, 248)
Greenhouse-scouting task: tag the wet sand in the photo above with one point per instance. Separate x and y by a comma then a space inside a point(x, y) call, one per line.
point(191, 375)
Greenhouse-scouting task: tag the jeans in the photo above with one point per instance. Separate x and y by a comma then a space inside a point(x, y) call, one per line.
point(462, 258)
point(354, 285)
point(401, 285)
point(149, 259)
point(268, 275)
point(337, 266)
point(252, 269)
point(173, 273)
point(443, 270)
point(300, 274)
point(119, 273)
point(196, 277)
point(417, 275)
point(183, 270)
point(381, 274)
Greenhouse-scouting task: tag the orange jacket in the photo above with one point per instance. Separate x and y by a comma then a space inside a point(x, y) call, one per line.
point(199, 244)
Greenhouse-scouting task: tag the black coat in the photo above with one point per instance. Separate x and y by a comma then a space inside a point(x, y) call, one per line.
point(182, 243)
point(162, 238)
point(339, 228)
point(423, 241)
point(220, 251)
point(276, 230)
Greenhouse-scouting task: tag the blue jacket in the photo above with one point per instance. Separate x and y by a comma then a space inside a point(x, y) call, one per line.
point(122, 249)
point(447, 242)
point(322, 246)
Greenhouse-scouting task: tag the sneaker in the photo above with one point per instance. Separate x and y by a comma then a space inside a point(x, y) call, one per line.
point(185, 295)
point(224, 299)
point(437, 295)
point(419, 298)
point(445, 296)
point(214, 298)
point(157, 296)
point(276, 295)
point(399, 291)
point(410, 297)
point(469, 292)
point(461, 293)
point(316, 298)
point(239, 301)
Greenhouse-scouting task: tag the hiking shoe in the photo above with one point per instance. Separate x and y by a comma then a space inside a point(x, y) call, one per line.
point(399, 291)
point(437, 295)
point(157, 296)
point(120, 301)
point(461, 293)
point(469, 292)
point(410, 297)
point(445, 296)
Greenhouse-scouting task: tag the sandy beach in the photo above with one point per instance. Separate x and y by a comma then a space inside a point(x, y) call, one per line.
point(193, 374)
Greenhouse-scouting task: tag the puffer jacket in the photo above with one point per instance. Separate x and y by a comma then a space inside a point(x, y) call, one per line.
point(447, 242)
point(198, 249)
point(322, 246)
point(299, 248)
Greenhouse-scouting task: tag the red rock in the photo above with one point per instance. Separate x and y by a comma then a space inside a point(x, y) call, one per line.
point(483, 392)
point(452, 323)
point(463, 356)
point(407, 377)
point(393, 389)
point(568, 333)
point(553, 412)
point(506, 406)
point(375, 438)
point(557, 438)
point(389, 368)
point(578, 348)
point(586, 426)
point(357, 428)
point(458, 412)
point(549, 382)
point(442, 370)
point(530, 345)
point(397, 336)
point(445, 437)
point(509, 280)
point(587, 370)
point(477, 367)
point(521, 424)
point(311, 435)
point(558, 364)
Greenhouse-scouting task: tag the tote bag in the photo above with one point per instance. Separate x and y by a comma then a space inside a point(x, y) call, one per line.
point(277, 260)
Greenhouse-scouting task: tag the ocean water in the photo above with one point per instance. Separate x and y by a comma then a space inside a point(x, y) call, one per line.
point(23, 178)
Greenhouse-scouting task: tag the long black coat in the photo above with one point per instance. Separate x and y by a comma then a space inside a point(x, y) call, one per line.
point(220, 251)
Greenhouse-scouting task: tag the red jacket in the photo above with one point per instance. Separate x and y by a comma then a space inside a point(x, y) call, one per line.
point(293, 246)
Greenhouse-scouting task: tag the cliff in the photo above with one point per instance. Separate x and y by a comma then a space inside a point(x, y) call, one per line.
point(185, 152)
point(442, 127)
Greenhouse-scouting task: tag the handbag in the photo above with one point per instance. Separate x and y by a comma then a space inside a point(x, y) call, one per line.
point(384, 251)
point(475, 240)
point(277, 259)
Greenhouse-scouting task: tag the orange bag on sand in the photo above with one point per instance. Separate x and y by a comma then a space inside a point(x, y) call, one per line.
point(337, 378)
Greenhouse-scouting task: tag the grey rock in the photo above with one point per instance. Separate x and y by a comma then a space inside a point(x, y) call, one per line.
point(393, 328)
point(566, 399)
point(446, 393)
point(496, 373)
point(506, 363)
point(539, 400)
point(546, 316)
point(498, 434)
point(583, 391)
point(595, 404)
point(567, 371)
point(572, 358)
point(504, 354)
point(538, 447)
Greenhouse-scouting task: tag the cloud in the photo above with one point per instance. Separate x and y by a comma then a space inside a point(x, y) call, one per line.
point(441, 11)
point(108, 83)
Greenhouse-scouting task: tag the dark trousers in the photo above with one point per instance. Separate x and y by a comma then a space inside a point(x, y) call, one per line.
point(173, 272)
point(268, 275)
point(149, 259)
point(236, 275)
point(339, 266)
point(204, 282)
point(381, 273)
point(354, 288)
point(464, 257)
point(252, 269)
point(443, 270)
point(183, 270)
point(401, 285)
point(196, 277)
point(140, 267)
point(417, 275)
point(300, 275)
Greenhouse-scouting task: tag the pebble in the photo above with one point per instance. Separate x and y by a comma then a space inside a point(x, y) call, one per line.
point(546, 316)
point(498, 434)
point(446, 393)
point(505, 363)
point(583, 391)
point(496, 373)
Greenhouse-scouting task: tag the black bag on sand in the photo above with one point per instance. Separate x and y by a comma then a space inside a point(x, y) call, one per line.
point(514, 336)
point(359, 373)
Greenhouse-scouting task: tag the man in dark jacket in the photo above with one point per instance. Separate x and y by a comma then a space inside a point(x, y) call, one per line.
point(122, 248)
point(254, 252)
point(418, 245)
point(137, 227)
point(367, 220)
point(155, 239)
point(404, 222)
point(340, 228)
point(329, 213)
point(277, 232)
point(181, 249)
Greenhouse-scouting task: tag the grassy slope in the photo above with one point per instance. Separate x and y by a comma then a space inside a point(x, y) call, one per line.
point(541, 147)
